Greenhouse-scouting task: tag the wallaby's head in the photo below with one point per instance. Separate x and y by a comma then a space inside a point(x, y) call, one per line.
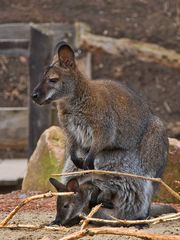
point(59, 78)
point(69, 208)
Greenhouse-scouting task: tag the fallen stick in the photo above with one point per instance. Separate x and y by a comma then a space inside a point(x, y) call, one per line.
point(34, 227)
point(119, 231)
point(168, 217)
point(143, 51)
point(101, 172)
point(29, 199)
point(92, 212)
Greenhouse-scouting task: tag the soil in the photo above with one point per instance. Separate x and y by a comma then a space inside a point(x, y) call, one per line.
point(42, 211)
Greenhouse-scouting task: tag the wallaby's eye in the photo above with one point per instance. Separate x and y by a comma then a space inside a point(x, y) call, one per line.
point(53, 80)
point(66, 205)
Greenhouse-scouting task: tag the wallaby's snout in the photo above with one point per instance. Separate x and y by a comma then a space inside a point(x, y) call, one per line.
point(35, 96)
point(38, 96)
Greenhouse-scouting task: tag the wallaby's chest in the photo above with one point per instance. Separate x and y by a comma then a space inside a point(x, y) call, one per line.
point(76, 124)
point(80, 131)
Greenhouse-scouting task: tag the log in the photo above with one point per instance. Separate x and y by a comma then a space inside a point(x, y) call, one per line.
point(143, 51)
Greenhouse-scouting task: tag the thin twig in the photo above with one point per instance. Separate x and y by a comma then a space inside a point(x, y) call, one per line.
point(34, 227)
point(159, 180)
point(29, 199)
point(93, 211)
point(119, 231)
point(168, 217)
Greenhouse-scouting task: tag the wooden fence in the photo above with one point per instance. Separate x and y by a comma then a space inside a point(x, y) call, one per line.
point(37, 43)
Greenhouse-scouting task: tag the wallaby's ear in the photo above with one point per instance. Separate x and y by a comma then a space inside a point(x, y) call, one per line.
point(59, 186)
point(73, 185)
point(65, 55)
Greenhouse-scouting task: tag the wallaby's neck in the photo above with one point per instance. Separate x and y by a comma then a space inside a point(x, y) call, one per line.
point(81, 86)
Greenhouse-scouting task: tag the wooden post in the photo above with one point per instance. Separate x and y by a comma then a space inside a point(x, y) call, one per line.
point(41, 42)
point(83, 56)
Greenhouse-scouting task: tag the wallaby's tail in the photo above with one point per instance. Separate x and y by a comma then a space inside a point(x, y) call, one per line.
point(159, 209)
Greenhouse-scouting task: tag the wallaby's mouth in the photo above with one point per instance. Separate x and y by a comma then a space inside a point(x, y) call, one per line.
point(41, 101)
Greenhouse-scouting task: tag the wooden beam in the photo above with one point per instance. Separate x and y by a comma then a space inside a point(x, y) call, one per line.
point(41, 42)
point(147, 52)
point(15, 37)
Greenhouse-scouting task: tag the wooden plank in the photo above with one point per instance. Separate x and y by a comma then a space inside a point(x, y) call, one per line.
point(14, 47)
point(11, 171)
point(14, 38)
point(40, 56)
point(14, 43)
point(15, 31)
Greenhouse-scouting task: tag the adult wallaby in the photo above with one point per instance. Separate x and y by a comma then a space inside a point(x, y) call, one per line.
point(71, 208)
point(109, 127)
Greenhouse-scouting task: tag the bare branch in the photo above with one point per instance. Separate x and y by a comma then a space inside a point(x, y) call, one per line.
point(119, 231)
point(93, 211)
point(34, 227)
point(159, 180)
point(165, 218)
point(29, 199)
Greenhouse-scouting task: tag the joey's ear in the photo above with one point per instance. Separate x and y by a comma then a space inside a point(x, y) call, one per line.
point(65, 55)
point(59, 186)
point(73, 185)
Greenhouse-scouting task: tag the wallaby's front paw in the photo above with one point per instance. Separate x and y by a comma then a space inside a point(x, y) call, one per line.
point(55, 222)
point(78, 162)
point(88, 164)
point(105, 199)
point(106, 203)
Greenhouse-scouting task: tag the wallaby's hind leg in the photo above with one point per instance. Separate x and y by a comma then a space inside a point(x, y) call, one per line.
point(154, 148)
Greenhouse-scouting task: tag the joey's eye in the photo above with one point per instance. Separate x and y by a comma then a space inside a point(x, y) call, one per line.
point(53, 80)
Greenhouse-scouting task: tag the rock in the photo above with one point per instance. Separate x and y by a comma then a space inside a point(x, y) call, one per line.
point(47, 158)
point(174, 129)
point(172, 172)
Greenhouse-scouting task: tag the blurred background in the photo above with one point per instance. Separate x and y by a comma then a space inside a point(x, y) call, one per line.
point(148, 21)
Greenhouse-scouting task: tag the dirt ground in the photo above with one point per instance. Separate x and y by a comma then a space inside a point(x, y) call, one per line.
point(43, 212)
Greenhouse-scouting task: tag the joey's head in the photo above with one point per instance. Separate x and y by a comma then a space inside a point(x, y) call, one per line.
point(69, 208)
point(59, 78)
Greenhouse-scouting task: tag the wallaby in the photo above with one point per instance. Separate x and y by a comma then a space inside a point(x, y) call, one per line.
point(108, 127)
point(71, 208)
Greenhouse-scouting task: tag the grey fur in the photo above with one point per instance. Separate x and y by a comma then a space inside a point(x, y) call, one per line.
point(108, 127)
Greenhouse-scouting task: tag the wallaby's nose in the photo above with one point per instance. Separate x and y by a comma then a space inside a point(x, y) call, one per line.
point(35, 95)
